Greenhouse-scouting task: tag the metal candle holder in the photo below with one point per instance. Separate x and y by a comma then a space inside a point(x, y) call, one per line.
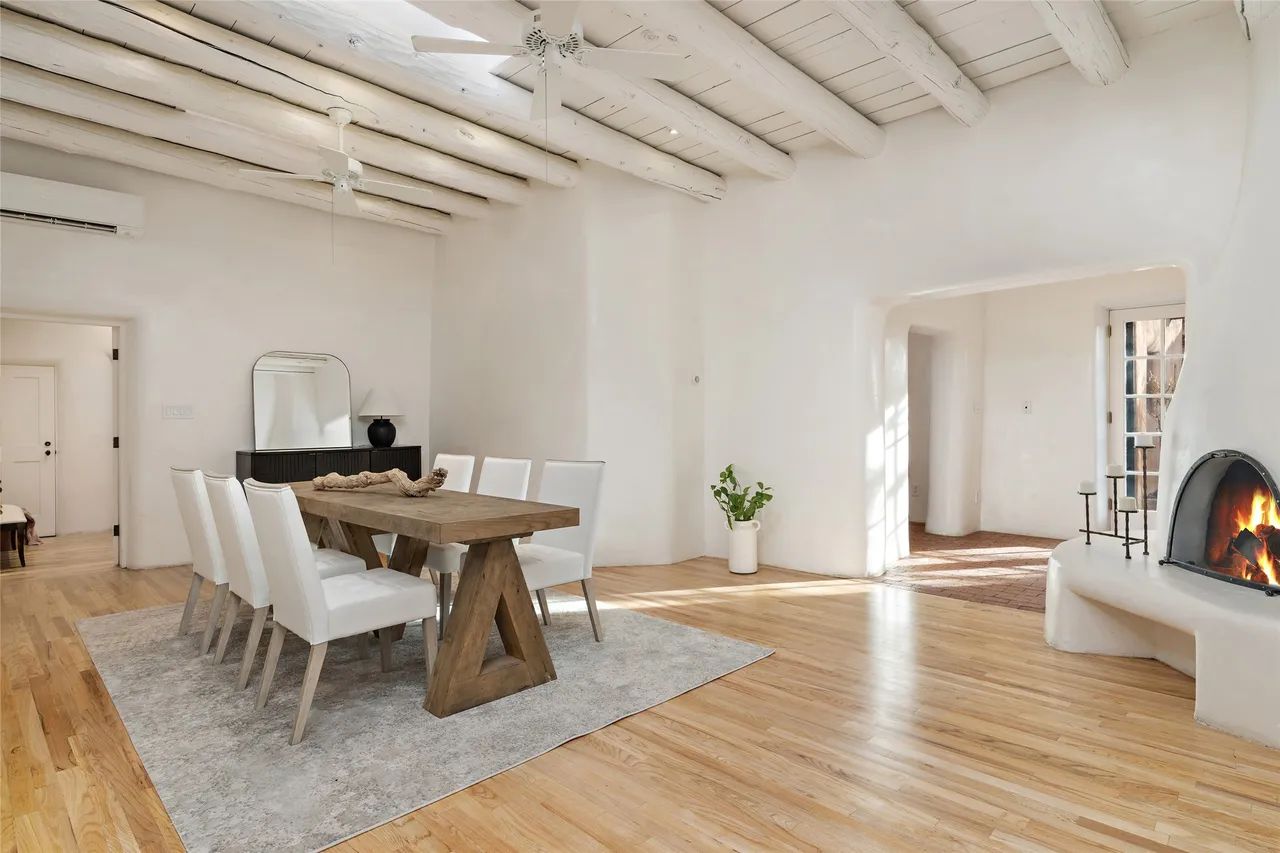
point(1088, 530)
point(1128, 540)
point(1142, 455)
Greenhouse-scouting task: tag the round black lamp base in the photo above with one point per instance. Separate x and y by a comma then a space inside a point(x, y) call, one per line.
point(382, 433)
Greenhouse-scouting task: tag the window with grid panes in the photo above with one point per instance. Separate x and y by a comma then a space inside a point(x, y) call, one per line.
point(1147, 348)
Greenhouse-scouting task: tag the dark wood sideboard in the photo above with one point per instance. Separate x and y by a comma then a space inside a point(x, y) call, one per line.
point(291, 466)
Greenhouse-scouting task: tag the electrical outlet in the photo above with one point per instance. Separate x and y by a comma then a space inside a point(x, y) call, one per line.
point(178, 412)
point(915, 491)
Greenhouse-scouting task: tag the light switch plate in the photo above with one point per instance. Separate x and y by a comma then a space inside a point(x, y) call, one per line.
point(178, 412)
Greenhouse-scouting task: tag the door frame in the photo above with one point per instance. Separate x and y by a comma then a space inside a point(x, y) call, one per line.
point(122, 335)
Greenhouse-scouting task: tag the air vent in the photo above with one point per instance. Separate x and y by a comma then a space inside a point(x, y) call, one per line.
point(60, 205)
point(60, 222)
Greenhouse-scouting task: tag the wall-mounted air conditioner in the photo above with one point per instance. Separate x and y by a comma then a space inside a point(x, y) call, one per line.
point(60, 205)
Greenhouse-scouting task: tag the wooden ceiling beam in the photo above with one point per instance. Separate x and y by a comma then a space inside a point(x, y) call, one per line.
point(501, 21)
point(372, 41)
point(87, 139)
point(897, 35)
point(162, 31)
point(1087, 36)
point(58, 50)
point(67, 96)
point(701, 28)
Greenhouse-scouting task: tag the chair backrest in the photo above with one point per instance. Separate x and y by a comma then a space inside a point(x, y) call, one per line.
point(504, 478)
point(459, 468)
point(197, 520)
point(572, 484)
point(239, 541)
point(297, 597)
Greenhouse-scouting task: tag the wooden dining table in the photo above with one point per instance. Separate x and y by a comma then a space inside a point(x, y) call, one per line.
point(491, 589)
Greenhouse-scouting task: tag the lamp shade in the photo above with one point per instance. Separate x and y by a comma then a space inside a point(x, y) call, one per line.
point(380, 404)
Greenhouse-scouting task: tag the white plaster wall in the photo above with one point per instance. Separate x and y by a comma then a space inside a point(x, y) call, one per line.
point(509, 357)
point(1060, 180)
point(919, 422)
point(1226, 396)
point(956, 397)
point(1045, 345)
point(85, 462)
point(644, 414)
point(568, 328)
point(217, 279)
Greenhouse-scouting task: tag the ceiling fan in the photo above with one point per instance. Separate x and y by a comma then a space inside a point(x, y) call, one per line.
point(346, 175)
point(552, 36)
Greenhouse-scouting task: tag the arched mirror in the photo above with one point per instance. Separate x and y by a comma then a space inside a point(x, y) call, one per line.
point(301, 400)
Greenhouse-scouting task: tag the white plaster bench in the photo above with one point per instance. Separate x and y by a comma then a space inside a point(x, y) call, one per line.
point(1224, 635)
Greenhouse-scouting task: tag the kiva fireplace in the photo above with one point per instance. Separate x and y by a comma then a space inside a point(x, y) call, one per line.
point(1226, 522)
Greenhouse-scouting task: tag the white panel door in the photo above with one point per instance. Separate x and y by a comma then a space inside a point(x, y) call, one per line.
point(28, 412)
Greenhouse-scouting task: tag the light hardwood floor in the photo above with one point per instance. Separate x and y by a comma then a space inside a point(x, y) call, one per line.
point(887, 719)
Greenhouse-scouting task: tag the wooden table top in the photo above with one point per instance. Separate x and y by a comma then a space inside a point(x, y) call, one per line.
point(440, 517)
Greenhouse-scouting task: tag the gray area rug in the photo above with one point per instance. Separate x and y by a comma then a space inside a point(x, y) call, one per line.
point(230, 781)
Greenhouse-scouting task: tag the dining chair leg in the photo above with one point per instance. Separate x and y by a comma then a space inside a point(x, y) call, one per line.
point(384, 649)
point(269, 666)
point(446, 592)
point(193, 596)
point(251, 646)
point(315, 661)
point(228, 619)
point(544, 606)
point(589, 592)
point(219, 593)
point(430, 646)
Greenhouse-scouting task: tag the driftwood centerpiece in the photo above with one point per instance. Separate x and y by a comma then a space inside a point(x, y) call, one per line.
point(408, 488)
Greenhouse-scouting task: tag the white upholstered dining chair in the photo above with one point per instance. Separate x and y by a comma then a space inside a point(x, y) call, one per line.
point(207, 562)
point(561, 556)
point(460, 468)
point(500, 478)
point(245, 572)
point(322, 610)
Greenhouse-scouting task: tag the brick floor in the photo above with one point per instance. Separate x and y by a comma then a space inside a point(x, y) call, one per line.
point(990, 568)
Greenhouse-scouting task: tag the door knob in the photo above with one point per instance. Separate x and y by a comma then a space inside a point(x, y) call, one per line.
point(48, 452)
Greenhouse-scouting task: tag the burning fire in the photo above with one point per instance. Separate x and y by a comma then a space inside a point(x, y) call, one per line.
point(1257, 527)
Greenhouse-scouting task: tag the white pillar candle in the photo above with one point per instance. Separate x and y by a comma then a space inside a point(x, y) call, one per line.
point(1115, 470)
point(1087, 488)
point(1144, 441)
point(1128, 504)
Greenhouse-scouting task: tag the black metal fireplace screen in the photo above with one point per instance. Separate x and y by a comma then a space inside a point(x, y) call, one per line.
point(1226, 522)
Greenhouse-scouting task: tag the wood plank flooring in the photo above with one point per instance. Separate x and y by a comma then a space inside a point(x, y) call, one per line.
point(887, 720)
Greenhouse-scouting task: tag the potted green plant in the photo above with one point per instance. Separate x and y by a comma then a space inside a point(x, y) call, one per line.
point(740, 507)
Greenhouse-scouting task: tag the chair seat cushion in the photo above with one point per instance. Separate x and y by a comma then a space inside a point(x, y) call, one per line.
point(445, 558)
point(331, 563)
point(373, 599)
point(546, 566)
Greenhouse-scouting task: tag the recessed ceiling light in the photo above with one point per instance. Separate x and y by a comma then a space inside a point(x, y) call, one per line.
point(673, 132)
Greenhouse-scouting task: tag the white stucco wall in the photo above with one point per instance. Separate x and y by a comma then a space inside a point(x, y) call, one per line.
point(217, 279)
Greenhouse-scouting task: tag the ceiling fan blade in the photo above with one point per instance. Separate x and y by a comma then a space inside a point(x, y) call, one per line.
point(344, 202)
point(282, 176)
point(432, 44)
point(400, 192)
point(637, 63)
point(557, 16)
point(335, 161)
point(546, 92)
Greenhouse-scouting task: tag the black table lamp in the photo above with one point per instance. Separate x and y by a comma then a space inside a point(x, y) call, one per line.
point(380, 406)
